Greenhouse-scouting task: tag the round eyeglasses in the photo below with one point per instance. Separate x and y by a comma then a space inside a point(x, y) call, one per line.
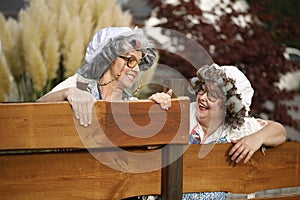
point(212, 94)
point(132, 62)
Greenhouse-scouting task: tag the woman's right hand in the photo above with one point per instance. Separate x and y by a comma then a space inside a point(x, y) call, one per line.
point(82, 104)
point(163, 99)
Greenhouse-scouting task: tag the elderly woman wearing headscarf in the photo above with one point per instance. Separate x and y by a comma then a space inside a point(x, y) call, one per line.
point(112, 63)
point(220, 115)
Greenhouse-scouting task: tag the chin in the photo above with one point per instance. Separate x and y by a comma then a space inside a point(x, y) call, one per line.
point(198, 115)
point(130, 83)
point(127, 83)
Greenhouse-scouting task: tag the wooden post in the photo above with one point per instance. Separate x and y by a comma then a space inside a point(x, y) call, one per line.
point(172, 173)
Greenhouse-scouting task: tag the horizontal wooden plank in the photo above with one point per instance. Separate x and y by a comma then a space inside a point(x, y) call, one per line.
point(51, 125)
point(279, 168)
point(71, 176)
point(78, 175)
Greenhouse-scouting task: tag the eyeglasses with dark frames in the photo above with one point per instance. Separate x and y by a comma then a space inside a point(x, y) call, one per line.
point(132, 62)
point(212, 94)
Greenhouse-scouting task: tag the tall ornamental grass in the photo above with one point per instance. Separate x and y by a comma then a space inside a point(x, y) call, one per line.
point(47, 43)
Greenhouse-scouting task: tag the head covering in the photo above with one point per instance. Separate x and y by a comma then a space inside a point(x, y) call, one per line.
point(242, 84)
point(235, 90)
point(108, 44)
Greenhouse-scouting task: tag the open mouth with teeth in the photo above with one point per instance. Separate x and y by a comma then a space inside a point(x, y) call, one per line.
point(202, 106)
point(131, 77)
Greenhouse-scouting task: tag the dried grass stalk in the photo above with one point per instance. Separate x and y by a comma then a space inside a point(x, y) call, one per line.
point(51, 54)
point(87, 22)
point(51, 30)
point(31, 41)
point(14, 54)
point(105, 18)
point(4, 78)
point(2, 23)
point(74, 45)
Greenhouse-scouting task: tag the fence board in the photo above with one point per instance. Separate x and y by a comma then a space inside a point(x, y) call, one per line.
point(51, 125)
point(72, 172)
point(279, 168)
point(69, 176)
point(78, 174)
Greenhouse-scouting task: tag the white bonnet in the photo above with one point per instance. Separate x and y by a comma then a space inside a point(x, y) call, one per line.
point(108, 43)
point(101, 38)
point(242, 83)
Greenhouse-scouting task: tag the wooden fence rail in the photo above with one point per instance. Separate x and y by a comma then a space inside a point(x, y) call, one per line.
point(45, 154)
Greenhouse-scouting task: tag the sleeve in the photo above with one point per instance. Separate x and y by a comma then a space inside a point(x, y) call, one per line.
point(68, 83)
point(250, 126)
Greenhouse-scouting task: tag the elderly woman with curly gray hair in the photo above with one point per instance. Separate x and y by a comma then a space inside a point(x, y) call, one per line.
point(220, 115)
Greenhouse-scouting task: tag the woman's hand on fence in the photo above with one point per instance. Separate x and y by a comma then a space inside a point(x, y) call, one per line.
point(244, 148)
point(163, 99)
point(82, 104)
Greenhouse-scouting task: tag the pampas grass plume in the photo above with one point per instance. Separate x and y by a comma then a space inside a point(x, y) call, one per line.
point(14, 55)
point(6, 38)
point(31, 39)
point(64, 19)
point(2, 23)
point(51, 54)
point(87, 22)
point(36, 67)
point(48, 31)
point(105, 18)
point(4, 78)
point(54, 5)
point(74, 44)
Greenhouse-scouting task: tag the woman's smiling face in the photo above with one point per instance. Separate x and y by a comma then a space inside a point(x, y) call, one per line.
point(128, 74)
point(209, 100)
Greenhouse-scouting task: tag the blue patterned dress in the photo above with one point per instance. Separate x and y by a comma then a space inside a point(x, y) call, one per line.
point(195, 138)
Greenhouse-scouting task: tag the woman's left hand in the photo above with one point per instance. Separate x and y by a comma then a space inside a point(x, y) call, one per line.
point(163, 99)
point(245, 147)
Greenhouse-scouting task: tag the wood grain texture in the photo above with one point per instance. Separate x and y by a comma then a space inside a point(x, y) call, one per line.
point(279, 168)
point(51, 125)
point(70, 176)
point(78, 175)
point(135, 169)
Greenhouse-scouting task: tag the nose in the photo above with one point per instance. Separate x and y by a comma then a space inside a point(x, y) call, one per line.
point(136, 68)
point(203, 96)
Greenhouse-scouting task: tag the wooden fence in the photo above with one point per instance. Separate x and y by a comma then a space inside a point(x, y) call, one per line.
point(45, 154)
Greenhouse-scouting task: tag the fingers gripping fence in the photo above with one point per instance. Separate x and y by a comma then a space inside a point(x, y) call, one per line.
point(44, 154)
